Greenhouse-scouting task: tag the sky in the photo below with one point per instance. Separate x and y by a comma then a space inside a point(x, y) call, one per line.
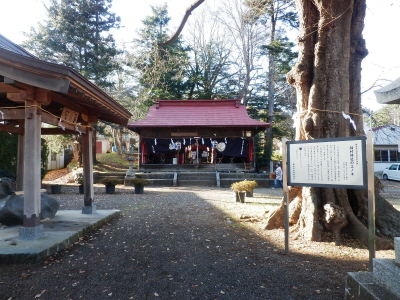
point(380, 33)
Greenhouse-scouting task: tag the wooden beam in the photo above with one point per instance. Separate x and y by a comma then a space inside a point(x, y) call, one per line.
point(5, 88)
point(90, 119)
point(40, 95)
point(27, 92)
point(16, 97)
point(52, 120)
point(11, 129)
point(12, 114)
point(60, 131)
point(69, 103)
point(43, 96)
point(87, 156)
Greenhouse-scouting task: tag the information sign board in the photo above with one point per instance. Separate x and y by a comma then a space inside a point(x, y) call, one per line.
point(338, 163)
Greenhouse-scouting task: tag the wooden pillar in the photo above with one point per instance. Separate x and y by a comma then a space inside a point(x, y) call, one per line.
point(32, 229)
point(87, 157)
point(20, 163)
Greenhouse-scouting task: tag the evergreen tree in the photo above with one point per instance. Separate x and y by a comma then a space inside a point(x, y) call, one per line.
point(75, 34)
point(277, 15)
point(162, 69)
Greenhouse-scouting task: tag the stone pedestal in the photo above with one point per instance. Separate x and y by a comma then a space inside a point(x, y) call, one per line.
point(89, 209)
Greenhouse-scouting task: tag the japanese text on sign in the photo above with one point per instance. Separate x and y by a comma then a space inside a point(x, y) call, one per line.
point(339, 162)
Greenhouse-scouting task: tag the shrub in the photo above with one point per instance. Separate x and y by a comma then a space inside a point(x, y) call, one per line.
point(110, 181)
point(137, 181)
point(244, 186)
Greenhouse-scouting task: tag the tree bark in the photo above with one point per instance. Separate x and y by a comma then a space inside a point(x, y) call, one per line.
point(327, 81)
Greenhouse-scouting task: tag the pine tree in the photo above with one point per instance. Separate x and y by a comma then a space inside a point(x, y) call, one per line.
point(162, 69)
point(75, 34)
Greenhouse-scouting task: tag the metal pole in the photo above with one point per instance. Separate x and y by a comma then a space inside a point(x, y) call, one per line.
point(371, 198)
point(285, 194)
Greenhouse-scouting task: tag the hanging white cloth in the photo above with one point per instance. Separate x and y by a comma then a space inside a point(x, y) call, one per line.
point(77, 129)
point(60, 125)
point(347, 117)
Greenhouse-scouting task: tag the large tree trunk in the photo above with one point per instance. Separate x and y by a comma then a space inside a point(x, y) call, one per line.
point(327, 81)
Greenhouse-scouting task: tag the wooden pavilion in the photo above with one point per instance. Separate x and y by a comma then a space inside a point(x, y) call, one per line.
point(197, 132)
point(33, 92)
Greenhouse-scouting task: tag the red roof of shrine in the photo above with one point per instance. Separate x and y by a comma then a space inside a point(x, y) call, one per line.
point(197, 113)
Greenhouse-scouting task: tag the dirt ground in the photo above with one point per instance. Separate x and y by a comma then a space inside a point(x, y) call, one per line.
point(188, 243)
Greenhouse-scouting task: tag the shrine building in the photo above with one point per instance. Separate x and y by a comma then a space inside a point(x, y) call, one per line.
point(193, 134)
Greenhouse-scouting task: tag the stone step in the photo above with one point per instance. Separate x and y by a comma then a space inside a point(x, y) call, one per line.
point(160, 182)
point(199, 182)
point(194, 176)
point(387, 274)
point(155, 175)
point(109, 174)
point(362, 286)
point(397, 250)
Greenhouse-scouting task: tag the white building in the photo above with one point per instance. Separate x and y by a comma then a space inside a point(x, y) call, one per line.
point(386, 146)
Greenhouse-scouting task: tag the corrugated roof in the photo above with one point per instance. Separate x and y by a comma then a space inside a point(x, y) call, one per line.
point(10, 46)
point(386, 135)
point(197, 113)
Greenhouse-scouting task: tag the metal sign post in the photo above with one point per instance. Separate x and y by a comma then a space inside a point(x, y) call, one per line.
point(371, 198)
point(285, 194)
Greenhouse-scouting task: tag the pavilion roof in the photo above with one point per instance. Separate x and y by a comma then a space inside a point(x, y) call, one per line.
point(389, 94)
point(20, 70)
point(198, 113)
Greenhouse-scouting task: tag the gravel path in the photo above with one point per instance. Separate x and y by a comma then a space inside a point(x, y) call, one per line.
point(178, 243)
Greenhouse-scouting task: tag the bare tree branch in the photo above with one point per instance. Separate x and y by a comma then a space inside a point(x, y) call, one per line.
point(189, 11)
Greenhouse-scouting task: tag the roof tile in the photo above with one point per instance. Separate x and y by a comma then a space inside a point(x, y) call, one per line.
point(199, 113)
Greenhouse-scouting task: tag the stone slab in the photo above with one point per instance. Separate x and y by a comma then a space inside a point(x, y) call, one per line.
point(59, 232)
point(397, 250)
point(387, 274)
point(361, 286)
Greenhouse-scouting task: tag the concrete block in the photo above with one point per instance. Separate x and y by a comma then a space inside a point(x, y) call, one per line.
point(387, 274)
point(361, 286)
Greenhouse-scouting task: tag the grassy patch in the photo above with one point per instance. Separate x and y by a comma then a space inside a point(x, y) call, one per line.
point(110, 162)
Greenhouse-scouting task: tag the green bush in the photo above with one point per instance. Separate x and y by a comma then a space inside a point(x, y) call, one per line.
point(110, 181)
point(137, 181)
point(244, 186)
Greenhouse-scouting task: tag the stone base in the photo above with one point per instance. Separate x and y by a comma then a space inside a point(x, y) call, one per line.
point(88, 210)
point(361, 286)
point(31, 233)
point(130, 174)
